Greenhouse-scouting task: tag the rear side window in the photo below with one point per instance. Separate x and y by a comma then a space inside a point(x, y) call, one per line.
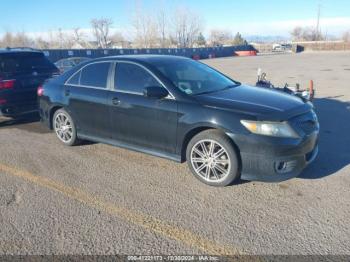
point(133, 78)
point(95, 75)
point(25, 63)
point(75, 79)
point(67, 63)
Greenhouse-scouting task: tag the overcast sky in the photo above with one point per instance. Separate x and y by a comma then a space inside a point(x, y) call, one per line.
point(251, 17)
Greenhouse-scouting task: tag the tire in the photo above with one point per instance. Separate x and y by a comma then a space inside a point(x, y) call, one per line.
point(213, 159)
point(64, 127)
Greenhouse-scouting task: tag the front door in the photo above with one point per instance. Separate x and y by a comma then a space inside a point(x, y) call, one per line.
point(139, 120)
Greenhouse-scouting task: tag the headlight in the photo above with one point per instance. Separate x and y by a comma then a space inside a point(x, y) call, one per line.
point(277, 129)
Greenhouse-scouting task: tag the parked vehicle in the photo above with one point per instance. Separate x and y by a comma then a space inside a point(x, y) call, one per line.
point(281, 47)
point(181, 109)
point(68, 63)
point(21, 72)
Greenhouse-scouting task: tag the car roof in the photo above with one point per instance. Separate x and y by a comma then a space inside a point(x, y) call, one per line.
point(18, 50)
point(74, 58)
point(143, 58)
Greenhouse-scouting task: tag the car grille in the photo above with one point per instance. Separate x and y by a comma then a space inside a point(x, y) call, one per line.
point(306, 123)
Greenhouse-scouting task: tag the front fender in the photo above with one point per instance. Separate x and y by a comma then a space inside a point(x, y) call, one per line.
point(194, 119)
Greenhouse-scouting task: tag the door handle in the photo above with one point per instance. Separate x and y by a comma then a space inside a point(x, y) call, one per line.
point(115, 101)
point(67, 92)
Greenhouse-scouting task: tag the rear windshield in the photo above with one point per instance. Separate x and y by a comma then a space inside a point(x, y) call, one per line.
point(25, 62)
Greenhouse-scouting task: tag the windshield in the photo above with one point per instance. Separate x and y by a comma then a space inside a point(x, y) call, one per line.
point(193, 78)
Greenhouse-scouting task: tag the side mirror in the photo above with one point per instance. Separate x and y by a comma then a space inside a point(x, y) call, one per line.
point(155, 92)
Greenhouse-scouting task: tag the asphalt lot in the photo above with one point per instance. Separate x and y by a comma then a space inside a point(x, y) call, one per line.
point(98, 199)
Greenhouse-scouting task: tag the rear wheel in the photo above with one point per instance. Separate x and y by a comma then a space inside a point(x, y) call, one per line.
point(64, 127)
point(212, 158)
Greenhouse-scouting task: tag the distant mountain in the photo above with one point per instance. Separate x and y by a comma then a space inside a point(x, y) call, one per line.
point(267, 38)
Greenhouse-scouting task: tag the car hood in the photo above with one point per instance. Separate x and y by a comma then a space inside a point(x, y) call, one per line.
point(261, 103)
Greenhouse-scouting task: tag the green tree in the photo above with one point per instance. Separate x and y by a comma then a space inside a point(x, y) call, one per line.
point(239, 40)
point(201, 40)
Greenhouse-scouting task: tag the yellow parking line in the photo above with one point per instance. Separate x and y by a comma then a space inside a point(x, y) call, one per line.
point(147, 222)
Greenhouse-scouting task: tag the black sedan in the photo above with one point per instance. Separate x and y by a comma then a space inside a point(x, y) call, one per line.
point(183, 110)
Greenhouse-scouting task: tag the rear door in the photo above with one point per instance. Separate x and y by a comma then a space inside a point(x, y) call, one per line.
point(87, 93)
point(28, 70)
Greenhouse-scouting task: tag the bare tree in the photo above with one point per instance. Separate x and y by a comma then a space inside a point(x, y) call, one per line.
point(119, 41)
point(146, 29)
point(306, 34)
point(61, 38)
point(311, 34)
point(101, 30)
point(187, 26)
point(162, 28)
point(7, 40)
point(41, 43)
point(19, 39)
point(220, 37)
point(78, 37)
point(346, 36)
point(23, 40)
point(297, 33)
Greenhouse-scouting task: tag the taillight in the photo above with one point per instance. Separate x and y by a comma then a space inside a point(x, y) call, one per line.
point(40, 91)
point(7, 84)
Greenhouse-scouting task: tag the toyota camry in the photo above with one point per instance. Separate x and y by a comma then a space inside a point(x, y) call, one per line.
point(184, 110)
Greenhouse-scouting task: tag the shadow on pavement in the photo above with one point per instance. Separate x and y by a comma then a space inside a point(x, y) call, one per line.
point(30, 123)
point(334, 142)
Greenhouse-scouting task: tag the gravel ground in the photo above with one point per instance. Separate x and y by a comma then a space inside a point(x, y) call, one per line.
point(98, 199)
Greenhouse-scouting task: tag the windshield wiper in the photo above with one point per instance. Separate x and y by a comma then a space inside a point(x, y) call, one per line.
point(213, 91)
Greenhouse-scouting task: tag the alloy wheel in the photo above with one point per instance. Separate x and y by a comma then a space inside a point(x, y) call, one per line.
point(63, 128)
point(210, 160)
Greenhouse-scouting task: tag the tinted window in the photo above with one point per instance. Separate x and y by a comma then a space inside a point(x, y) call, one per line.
point(192, 77)
point(95, 75)
point(75, 79)
point(25, 62)
point(133, 78)
point(67, 63)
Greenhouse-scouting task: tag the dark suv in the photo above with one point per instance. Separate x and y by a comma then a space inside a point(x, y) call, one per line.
point(180, 109)
point(21, 72)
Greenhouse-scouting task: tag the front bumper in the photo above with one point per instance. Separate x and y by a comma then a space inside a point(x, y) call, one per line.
point(272, 159)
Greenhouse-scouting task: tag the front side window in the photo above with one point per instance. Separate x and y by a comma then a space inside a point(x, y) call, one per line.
point(192, 77)
point(133, 78)
point(94, 75)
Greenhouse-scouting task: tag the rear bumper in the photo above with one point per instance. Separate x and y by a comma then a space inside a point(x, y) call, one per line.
point(44, 117)
point(275, 159)
point(13, 110)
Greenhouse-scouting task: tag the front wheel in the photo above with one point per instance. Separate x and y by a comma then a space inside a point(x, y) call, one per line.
point(212, 158)
point(64, 127)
